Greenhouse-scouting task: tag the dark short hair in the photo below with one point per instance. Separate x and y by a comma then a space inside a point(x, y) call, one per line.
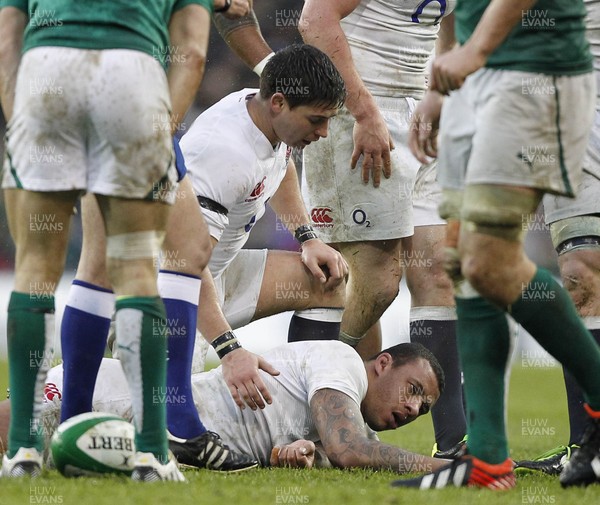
point(305, 76)
point(407, 352)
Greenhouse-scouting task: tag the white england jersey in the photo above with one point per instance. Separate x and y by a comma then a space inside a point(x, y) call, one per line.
point(391, 42)
point(305, 367)
point(231, 162)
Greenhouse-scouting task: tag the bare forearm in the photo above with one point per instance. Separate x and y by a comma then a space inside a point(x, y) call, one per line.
point(350, 448)
point(341, 427)
point(320, 27)
point(287, 201)
point(367, 453)
point(244, 38)
point(187, 80)
point(12, 25)
point(189, 31)
point(211, 320)
point(490, 33)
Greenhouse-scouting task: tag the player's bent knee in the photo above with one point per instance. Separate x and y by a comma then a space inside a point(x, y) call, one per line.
point(573, 271)
point(580, 278)
point(191, 262)
point(327, 297)
point(577, 242)
point(383, 295)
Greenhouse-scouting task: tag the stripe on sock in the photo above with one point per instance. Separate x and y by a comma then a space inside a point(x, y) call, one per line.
point(464, 290)
point(324, 314)
point(91, 299)
point(592, 322)
point(40, 378)
point(432, 313)
point(129, 334)
point(177, 286)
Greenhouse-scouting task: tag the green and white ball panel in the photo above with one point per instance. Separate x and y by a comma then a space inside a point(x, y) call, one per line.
point(94, 443)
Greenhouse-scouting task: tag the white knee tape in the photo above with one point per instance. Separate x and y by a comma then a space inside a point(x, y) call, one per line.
point(136, 245)
point(575, 228)
point(498, 211)
point(451, 203)
point(324, 314)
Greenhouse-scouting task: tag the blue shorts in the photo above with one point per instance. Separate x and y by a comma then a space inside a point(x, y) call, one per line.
point(179, 161)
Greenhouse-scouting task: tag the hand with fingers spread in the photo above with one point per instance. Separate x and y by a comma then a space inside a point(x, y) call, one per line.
point(424, 125)
point(324, 262)
point(240, 371)
point(372, 141)
point(298, 454)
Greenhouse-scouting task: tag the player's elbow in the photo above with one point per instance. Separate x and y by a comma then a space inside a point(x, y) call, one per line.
point(337, 461)
point(194, 57)
point(307, 25)
point(9, 48)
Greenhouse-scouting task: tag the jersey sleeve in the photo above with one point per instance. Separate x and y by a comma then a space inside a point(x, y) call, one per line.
point(209, 5)
point(19, 4)
point(340, 368)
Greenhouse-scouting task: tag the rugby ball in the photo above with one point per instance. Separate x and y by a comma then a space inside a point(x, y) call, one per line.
point(92, 444)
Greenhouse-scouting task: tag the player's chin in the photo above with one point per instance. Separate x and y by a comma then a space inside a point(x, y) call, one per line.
point(379, 425)
point(302, 144)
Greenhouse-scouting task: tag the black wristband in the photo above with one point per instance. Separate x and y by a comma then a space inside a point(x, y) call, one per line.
point(225, 343)
point(304, 233)
point(225, 8)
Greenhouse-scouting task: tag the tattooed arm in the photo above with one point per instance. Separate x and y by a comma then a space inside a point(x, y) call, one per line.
point(342, 432)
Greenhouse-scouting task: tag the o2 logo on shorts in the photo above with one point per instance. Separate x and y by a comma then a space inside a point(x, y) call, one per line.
point(359, 216)
point(321, 218)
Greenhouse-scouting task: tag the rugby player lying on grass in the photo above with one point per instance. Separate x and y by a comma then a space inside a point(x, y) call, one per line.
point(327, 405)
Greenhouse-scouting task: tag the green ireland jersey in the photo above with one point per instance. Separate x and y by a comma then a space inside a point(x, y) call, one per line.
point(549, 38)
point(140, 25)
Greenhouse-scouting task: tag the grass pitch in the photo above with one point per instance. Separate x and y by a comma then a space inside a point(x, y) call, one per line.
point(537, 421)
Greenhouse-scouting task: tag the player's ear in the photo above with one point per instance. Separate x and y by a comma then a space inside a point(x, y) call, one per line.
point(383, 362)
point(278, 102)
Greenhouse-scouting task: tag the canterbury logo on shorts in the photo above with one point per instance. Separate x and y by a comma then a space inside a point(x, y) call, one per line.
point(320, 215)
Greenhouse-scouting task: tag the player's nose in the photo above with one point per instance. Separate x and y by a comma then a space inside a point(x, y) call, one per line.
point(413, 407)
point(322, 130)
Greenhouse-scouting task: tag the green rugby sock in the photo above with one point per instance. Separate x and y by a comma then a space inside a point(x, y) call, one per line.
point(483, 345)
point(29, 332)
point(547, 312)
point(142, 343)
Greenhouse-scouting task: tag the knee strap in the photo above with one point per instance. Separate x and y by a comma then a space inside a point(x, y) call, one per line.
point(575, 233)
point(498, 211)
point(136, 245)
